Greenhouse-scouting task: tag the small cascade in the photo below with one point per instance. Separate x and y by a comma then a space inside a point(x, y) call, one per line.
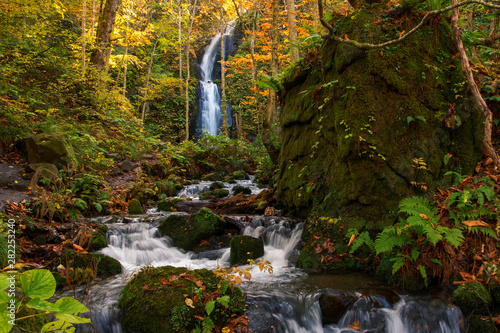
point(209, 119)
point(194, 191)
point(286, 301)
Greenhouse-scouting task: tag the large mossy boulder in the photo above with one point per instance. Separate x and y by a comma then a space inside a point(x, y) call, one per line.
point(472, 298)
point(51, 148)
point(135, 207)
point(168, 204)
point(245, 247)
point(363, 129)
point(187, 231)
point(157, 300)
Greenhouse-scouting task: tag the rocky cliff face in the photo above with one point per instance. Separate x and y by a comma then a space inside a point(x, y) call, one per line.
point(362, 129)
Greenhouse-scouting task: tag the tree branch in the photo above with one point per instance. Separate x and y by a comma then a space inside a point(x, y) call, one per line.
point(488, 124)
point(368, 46)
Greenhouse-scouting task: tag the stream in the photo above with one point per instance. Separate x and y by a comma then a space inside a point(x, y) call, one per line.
point(286, 301)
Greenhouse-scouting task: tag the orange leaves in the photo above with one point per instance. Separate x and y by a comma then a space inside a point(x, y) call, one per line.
point(353, 236)
point(471, 224)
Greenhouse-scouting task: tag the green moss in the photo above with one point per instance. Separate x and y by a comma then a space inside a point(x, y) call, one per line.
point(477, 324)
point(162, 307)
point(245, 247)
point(218, 193)
point(168, 204)
point(98, 264)
point(241, 189)
point(187, 233)
point(60, 280)
point(135, 207)
point(31, 324)
point(240, 175)
point(98, 241)
point(216, 185)
point(472, 298)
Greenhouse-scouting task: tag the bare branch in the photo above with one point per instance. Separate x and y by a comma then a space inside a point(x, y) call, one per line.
point(368, 46)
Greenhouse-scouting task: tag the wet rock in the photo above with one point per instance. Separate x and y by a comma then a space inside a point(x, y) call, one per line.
point(187, 232)
point(135, 207)
point(240, 175)
point(241, 189)
point(334, 304)
point(472, 298)
point(168, 205)
point(106, 266)
point(245, 247)
point(154, 300)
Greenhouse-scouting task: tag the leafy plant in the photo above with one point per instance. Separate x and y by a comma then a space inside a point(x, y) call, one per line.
point(38, 285)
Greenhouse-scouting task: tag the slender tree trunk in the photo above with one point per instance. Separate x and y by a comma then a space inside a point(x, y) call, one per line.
point(148, 75)
point(292, 30)
point(104, 30)
point(84, 22)
point(271, 106)
point(488, 124)
point(254, 68)
point(192, 13)
point(125, 64)
point(92, 24)
point(179, 29)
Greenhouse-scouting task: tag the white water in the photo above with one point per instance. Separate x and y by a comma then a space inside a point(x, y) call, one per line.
point(210, 118)
point(282, 302)
point(194, 191)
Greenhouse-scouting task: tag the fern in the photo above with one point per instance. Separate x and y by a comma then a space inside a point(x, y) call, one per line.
point(454, 237)
point(399, 262)
point(390, 238)
point(415, 206)
point(434, 234)
point(363, 238)
point(487, 231)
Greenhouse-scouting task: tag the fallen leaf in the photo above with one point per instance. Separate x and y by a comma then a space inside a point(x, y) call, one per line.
point(189, 302)
point(351, 239)
point(471, 224)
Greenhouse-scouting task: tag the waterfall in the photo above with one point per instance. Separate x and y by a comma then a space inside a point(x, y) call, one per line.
point(209, 118)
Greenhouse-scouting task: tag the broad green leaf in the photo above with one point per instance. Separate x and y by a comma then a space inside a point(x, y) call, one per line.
point(421, 118)
point(71, 318)
point(209, 307)
point(224, 300)
point(58, 326)
point(38, 283)
point(4, 282)
point(70, 305)
point(5, 326)
point(4, 297)
point(39, 304)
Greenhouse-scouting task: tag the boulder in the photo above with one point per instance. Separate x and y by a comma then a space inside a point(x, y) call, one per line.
point(168, 205)
point(135, 207)
point(245, 247)
point(240, 175)
point(472, 298)
point(106, 266)
point(241, 189)
point(356, 123)
point(126, 165)
point(333, 305)
point(51, 148)
point(167, 299)
point(187, 231)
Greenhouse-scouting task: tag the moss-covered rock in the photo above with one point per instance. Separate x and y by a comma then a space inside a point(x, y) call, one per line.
point(187, 233)
point(472, 298)
point(51, 148)
point(167, 205)
point(241, 189)
point(155, 300)
point(92, 264)
point(98, 241)
point(347, 147)
point(135, 207)
point(218, 193)
point(480, 324)
point(34, 321)
point(213, 177)
point(240, 175)
point(245, 247)
point(216, 185)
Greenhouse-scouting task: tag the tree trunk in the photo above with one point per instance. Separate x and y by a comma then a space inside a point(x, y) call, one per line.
point(488, 124)
point(92, 24)
point(148, 75)
point(104, 30)
point(84, 22)
point(271, 107)
point(125, 63)
point(192, 13)
point(292, 30)
point(179, 31)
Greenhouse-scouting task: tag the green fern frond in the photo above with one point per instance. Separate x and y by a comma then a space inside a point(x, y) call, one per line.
point(454, 237)
point(433, 234)
point(389, 238)
point(487, 231)
point(487, 191)
point(415, 206)
point(399, 262)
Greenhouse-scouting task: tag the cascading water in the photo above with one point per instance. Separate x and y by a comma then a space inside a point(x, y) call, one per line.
point(209, 118)
point(286, 301)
